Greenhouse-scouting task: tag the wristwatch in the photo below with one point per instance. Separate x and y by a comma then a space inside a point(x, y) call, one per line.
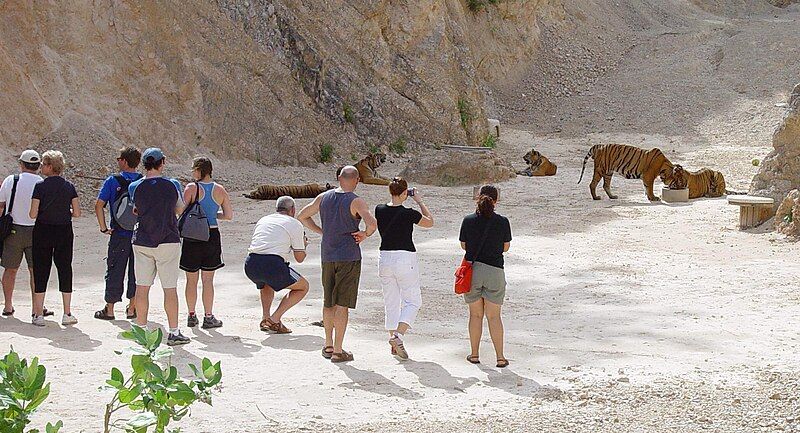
point(104, 231)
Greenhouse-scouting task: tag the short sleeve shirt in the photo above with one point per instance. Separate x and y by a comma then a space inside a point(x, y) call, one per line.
point(472, 230)
point(22, 200)
point(155, 199)
point(55, 196)
point(111, 190)
point(278, 234)
point(396, 226)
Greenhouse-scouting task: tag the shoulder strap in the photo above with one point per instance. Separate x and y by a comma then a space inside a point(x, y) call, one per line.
point(122, 181)
point(197, 192)
point(483, 240)
point(13, 194)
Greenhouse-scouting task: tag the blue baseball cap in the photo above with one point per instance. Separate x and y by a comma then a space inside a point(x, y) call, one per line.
point(152, 154)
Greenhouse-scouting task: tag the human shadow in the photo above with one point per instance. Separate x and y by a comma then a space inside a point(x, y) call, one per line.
point(506, 380)
point(303, 343)
point(433, 375)
point(365, 380)
point(217, 342)
point(68, 337)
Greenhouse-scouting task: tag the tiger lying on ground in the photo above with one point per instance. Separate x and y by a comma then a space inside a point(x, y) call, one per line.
point(367, 169)
point(629, 161)
point(538, 165)
point(703, 183)
point(272, 192)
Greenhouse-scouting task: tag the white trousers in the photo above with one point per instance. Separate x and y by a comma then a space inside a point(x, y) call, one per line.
point(399, 275)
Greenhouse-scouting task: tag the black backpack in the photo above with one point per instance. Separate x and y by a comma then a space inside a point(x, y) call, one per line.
point(6, 221)
point(122, 216)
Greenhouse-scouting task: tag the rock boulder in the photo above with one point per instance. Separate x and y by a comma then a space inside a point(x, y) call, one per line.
point(787, 219)
point(455, 167)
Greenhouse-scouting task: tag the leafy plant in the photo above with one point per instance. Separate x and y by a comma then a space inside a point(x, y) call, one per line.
point(477, 5)
point(373, 148)
point(348, 113)
point(325, 153)
point(490, 141)
point(465, 112)
point(22, 390)
point(788, 218)
point(398, 146)
point(155, 395)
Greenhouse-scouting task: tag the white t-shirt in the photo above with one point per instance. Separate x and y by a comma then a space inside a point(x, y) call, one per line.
point(22, 200)
point(278, 234)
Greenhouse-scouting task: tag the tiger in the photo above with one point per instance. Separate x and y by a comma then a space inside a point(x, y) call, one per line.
point(703, 183)
point(629, 161)
point(367, 169)
point(538, 165)
point(272, 192)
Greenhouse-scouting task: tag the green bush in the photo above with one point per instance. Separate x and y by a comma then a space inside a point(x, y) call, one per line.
point(398, 146)
point(326, 153)
point(154, 395)
point(22, 390)
point(490, 141)
point(477, 5)
point(374, 148)
point(348, 113)
point(465, 112)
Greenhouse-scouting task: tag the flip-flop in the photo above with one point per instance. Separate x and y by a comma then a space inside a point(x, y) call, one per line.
point(326, 353)
point(502, 363)
point(46, 312)
point(473, 359)
point(103, 314)
point(341, 357)
point(8, 313)
point(130, 316)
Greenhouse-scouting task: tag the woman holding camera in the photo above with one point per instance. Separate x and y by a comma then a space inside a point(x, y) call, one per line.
point(485, 236)
point(398, 267)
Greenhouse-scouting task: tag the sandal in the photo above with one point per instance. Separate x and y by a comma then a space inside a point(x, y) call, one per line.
point(8, 313)
point(502, 363)
point(129, 315)
point(473, 359)
point(276, 327)
point(341, 357)
point(327, 354)
point(264, 325)
point(103, 314)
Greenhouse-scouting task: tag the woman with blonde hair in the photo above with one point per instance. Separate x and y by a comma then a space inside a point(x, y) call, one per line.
point(485, 236)
point(54, 204)
point(398, 267)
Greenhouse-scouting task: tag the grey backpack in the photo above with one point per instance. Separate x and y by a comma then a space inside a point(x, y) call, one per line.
point(193, 223)
point(121, 211)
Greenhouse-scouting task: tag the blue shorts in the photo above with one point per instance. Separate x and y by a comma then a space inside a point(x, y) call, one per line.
point(270, 270)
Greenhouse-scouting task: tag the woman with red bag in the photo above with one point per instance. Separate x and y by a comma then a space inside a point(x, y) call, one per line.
point(485, 236)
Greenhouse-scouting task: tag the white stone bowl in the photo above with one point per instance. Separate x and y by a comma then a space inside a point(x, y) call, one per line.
point(674, 195)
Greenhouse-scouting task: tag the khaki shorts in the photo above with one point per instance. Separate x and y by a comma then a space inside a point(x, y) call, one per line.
point(17, 244)
point(340, 283)
point(163, 260)
point(488, 282)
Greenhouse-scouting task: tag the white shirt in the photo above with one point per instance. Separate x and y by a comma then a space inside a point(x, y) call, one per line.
point(22, 200)
point(278, 234)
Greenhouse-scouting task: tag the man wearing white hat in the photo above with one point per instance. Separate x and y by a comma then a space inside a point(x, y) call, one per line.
point(19, 243)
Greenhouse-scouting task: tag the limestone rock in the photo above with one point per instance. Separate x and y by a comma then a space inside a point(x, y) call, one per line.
point(780, 170)
point(453, 167)
point(787, 218)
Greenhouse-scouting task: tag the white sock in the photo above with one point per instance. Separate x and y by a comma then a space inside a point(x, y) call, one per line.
point(174, 331)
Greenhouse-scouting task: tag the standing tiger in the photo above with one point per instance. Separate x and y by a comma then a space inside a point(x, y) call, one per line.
point(367, 169)
point(629, 161)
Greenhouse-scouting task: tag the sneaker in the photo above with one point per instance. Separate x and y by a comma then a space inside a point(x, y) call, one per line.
point(177, 339)
point(211, 322)
point(68, 319)
point(397, 347)
point(38, 320)
point(192, 321)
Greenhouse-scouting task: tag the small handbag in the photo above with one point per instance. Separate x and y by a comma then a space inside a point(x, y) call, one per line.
point(464, 270)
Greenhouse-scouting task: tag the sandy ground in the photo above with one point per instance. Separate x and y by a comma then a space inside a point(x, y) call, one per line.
point(625, 316)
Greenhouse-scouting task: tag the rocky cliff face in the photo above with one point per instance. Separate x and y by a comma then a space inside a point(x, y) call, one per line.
point(780, 170)
point(269, 80)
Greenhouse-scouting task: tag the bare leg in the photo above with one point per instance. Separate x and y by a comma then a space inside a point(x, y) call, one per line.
point(9, 278)
point(38, 304)
point(66, 300)
point(297, 292)
point(607, 186)
point(475, 326)
point(142, 299)
point(171, 306)
point(208, 292)
point(593, 185)
point(267, 295)
point(328, 314)
point(495, 327)
point(341, 316)
point(191, 290)
point(402, 328)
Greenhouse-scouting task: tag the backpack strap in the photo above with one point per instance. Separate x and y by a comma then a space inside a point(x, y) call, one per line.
point(13, 194)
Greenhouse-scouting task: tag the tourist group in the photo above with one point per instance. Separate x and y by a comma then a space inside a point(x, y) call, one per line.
point(158, 227)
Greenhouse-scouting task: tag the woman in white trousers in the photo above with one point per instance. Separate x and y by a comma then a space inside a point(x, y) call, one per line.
point(398, 268)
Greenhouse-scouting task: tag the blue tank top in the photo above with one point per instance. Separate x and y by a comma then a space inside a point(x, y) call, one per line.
point(209, 205)
point(338, 224)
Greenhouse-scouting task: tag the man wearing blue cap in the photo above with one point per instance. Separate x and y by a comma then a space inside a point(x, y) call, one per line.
point(156, 241)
